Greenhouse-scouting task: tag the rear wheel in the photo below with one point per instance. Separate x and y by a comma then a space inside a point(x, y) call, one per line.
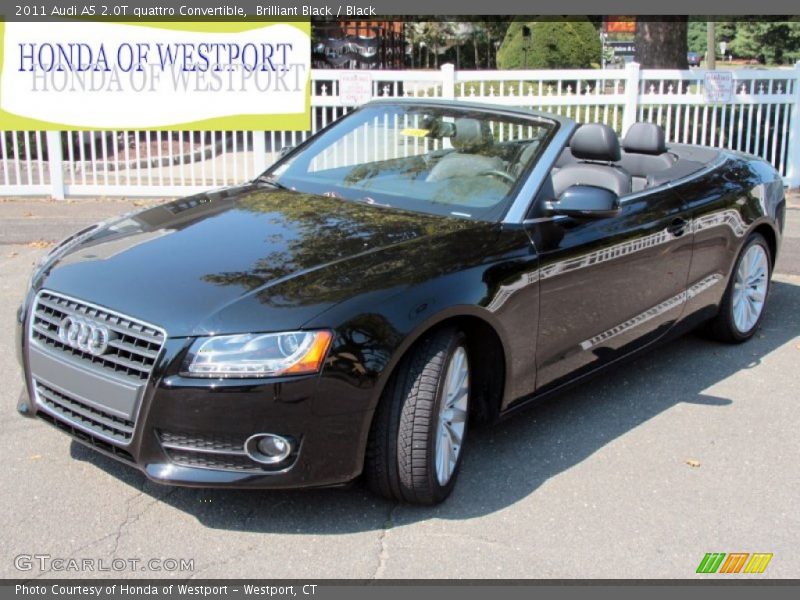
point(742, 306)
point(418, 433)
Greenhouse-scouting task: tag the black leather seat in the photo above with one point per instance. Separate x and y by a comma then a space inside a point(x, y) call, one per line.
point(471, 140)
point(595, 148)
point(645, 153)
point(565, 158)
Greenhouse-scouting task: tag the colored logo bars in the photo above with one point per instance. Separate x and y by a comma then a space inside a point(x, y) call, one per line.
point(736, 562)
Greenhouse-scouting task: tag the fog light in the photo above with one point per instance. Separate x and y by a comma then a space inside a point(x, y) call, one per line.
point(268, 448)
point(272, 446)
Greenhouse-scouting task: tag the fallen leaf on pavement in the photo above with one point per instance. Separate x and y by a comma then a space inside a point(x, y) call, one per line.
point(40, 244)
point(36, 457)
point(693, 463)
point(11, 254)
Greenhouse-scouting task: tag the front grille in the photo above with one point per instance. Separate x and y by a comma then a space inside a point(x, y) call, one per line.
point(87, 438)
point(84, 416)
point(209, 451)
point(227, 444)
point(132, 349)
point(225, 462)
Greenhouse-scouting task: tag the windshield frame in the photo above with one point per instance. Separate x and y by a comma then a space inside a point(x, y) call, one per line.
point(496, 213)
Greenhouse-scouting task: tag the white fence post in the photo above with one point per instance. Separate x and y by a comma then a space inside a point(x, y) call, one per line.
point(448, 81)
point(260, 162)
point(793, 150)
point(55, 164)
point(631, 96)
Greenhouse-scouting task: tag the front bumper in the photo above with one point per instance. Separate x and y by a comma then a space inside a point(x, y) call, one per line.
point(191, 432)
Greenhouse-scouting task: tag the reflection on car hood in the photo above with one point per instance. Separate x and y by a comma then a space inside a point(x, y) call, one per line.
point(245, 258)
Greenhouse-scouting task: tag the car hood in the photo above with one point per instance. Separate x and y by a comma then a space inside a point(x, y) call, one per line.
point(250, 258)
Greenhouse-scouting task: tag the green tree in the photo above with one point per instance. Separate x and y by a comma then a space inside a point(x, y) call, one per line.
point(553, 44)
point(459, 35)
point(767, 41)
point(495, 31)
point(414, 37)
point(696, 34)
point(470, 44)
point(478, 33)
point(696, 37)
point(437, 34)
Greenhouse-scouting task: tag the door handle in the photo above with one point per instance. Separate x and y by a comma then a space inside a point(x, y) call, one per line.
point(678, 227)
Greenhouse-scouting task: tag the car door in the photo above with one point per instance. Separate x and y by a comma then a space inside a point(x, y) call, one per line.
point(609, 285)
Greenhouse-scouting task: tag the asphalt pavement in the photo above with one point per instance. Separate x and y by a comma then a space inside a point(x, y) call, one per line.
point(692, 448)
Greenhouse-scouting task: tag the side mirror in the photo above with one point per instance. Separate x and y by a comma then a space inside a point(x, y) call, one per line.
point(586, 202)
point(284, 151)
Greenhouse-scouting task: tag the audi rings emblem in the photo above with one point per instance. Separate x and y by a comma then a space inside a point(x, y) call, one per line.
point(85, 335)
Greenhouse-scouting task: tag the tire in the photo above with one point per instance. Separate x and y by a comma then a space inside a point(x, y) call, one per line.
point(724, 327)
point(402, 451)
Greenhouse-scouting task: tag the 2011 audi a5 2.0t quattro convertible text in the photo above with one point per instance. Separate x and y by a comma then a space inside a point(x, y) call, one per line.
point(414, 268)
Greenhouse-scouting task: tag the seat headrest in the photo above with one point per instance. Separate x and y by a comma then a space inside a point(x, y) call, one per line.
point(645, 138)
point(595, 141)
point(471, 135)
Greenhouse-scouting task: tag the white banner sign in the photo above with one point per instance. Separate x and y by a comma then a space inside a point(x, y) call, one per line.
point(97, 75)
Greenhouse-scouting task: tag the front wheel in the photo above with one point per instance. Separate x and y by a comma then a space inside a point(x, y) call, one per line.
point(743, 304)
point(418, 433)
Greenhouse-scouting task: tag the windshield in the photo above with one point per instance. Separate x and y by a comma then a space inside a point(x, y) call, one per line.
point(439, 160)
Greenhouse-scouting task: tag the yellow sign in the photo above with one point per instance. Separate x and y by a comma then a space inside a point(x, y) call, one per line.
point(410, 132)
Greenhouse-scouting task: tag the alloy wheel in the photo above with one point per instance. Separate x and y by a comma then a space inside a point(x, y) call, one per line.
point(750, 288)
point(452, 415)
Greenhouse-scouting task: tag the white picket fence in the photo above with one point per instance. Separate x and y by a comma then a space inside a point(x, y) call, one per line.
point(762, 117)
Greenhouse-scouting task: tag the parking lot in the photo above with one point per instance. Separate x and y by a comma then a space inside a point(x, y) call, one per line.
point(692, 448)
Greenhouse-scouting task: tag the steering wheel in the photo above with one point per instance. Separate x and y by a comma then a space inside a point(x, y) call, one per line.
point(509, 179)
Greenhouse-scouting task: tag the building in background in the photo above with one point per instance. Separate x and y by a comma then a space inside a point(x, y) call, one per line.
point(358, 45)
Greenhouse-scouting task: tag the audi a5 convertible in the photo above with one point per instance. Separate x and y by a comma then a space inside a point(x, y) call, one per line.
point(414, 268)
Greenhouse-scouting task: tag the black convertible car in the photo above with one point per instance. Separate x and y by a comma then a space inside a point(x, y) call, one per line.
point(414, 268)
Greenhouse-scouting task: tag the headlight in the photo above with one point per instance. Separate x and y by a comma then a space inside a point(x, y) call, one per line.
point(258, 355)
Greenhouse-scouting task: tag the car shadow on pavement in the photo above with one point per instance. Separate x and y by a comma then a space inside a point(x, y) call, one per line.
point(506, 462)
